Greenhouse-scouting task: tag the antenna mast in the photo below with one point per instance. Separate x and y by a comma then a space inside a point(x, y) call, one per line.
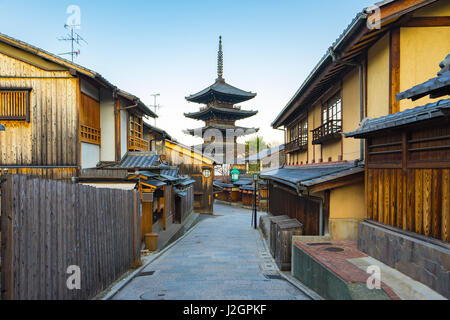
point(74, 38)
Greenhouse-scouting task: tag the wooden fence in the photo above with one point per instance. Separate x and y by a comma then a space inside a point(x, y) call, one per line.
point(47, 226)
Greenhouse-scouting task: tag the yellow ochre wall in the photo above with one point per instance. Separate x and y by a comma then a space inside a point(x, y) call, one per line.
point(421, 51)
point(378, 78)
point(346, 211)
point(351, 114)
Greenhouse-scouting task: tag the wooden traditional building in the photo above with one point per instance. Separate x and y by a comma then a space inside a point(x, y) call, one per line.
point(322, 183)
point(408, 186)
point(220, 114)
point(157, 138)
point(198, 167)
point(61, 118)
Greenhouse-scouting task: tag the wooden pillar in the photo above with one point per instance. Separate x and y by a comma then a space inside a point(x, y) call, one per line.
point(118, 131)
point(394, 72)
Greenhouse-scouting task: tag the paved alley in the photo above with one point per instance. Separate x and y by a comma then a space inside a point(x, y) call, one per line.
point(223, 258)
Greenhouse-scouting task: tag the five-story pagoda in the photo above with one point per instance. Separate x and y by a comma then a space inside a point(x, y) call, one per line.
point(220, 114)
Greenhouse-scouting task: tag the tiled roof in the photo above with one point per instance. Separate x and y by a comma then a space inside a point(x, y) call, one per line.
point(221, 88)
point(409, 116)
point(221, 127)
point(238, 114)
point(306, 174)
point(142, 160)
point(435, 87)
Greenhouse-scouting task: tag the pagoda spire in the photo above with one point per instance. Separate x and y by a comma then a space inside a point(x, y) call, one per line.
point(220, 60)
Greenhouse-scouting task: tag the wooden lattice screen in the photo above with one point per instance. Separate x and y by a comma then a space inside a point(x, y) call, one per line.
point(15, 105)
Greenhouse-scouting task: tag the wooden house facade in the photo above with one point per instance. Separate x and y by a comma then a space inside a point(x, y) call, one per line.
point(408, 185)
point(61, 118)
point(358, 78)
point(197, 166)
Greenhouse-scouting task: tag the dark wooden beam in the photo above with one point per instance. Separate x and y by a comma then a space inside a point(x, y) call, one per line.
point(428, 22)
point(339, 182)
point(394, 67)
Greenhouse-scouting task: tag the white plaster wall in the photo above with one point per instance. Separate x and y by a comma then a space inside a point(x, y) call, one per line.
point(89, 90)
point(107, 126)
point(90, 155)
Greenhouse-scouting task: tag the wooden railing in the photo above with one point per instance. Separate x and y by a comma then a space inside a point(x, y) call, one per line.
point(299, 144)
point(90, 135)
point(328, 131)
point(137, 144)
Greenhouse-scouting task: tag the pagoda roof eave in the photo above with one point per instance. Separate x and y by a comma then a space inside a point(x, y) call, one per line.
point(199, 132)
point(221, 91)
point(231, 112)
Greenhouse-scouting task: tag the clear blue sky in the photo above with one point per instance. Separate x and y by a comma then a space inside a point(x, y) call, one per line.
point(170, 47)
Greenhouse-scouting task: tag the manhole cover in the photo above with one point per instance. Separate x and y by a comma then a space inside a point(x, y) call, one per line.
point(146, 274)
point(320, 244)
point(334, 249)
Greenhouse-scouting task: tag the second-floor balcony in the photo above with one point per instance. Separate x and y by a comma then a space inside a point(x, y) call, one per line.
point(136, 144)
point(329, 131)
point(300, 144)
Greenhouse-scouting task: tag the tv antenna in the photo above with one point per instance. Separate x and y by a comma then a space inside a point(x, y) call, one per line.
point(74, 38)
point(156, 106)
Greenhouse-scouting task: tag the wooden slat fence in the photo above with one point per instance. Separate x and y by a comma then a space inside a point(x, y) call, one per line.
point(47, 226)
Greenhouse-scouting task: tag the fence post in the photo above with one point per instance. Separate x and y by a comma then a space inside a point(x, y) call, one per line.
point(136, 237)
point(7, 241)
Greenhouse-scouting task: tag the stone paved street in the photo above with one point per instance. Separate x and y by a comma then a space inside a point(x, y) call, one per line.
point(223, 258)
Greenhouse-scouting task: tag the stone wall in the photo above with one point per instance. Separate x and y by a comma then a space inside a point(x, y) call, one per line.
point(423, 261)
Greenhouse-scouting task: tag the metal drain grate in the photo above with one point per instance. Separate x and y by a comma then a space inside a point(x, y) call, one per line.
point(146, 274)
point(334, 249)
point(273, 277)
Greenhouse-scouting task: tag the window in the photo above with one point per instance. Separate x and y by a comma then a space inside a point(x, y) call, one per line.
point(293, 132)
point(15, 104)
point(332, 110)
point(303, 132)
point(298, 136)
point(136, 128)
point(136, 140)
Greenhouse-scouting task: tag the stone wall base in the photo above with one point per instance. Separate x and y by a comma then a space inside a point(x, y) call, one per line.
point(425, 261)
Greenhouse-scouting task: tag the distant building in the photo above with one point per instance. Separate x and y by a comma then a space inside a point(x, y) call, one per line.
point(266, 159)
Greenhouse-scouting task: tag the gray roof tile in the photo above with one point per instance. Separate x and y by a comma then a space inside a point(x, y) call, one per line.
point(409, 116)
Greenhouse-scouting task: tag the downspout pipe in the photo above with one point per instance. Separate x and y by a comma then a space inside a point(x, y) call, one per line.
point(361, 91)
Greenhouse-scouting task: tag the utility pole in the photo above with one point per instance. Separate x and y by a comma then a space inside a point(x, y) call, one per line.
point(156, 106)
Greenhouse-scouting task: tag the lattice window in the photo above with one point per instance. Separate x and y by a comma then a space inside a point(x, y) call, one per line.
point(90, 135)
point(15, 104)
point(136, 142)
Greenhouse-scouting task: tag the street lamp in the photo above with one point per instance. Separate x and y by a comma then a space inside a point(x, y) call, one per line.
point(255, 207)
point(235, 175)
